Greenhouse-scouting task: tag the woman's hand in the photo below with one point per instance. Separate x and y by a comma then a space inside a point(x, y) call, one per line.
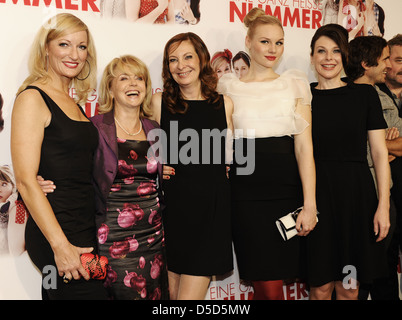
point(188, 15)
point(167, 172)
point(68, 261)
point(306, 221)
point(381, 224)
point(47, 186)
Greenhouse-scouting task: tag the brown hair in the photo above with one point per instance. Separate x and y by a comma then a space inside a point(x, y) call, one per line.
point(336, 33)
point(172, 96)
point(395, 41)
point(366, 49)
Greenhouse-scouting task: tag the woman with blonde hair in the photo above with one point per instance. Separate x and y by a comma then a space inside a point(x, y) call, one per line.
point(50, 126)
point(127, 181)
point(221, 62)
point(277, 109)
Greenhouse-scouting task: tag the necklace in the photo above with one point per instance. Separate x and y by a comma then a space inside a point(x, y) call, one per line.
point(130, 134)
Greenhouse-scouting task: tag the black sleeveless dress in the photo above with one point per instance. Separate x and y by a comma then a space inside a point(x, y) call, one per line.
point(67, 158)
point(197, 214)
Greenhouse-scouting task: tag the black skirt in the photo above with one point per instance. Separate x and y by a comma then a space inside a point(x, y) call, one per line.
point(258, 200)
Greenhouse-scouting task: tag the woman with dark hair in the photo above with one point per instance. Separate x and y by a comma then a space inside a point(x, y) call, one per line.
point(241, 64)
point(197, 197)
point(374, 19)
point(344, 249)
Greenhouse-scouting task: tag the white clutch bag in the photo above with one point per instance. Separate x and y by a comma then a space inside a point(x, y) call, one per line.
point(287, 224)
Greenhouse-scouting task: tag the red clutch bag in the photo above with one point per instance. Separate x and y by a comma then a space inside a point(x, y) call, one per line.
point(95, 265)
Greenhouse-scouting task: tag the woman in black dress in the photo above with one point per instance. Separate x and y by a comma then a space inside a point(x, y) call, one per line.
point(345, 247)
point(49, 126)
point(197, 197)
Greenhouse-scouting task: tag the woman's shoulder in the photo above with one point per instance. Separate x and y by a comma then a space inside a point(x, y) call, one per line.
point(103, 118)
point(97, 118)
point(361, 86)
point(31, 97)
point(226, 81)
point(295, 74)
point(362, 90)
point(31, 92)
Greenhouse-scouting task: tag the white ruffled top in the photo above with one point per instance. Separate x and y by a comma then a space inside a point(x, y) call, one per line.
point(267, 109)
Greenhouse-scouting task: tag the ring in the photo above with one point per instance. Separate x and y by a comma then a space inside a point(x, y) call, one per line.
point(66, 280)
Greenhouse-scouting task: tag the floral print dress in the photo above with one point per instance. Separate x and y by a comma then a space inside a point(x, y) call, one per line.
point(132, 236)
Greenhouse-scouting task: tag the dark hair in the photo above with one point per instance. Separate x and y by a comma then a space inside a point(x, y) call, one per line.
point(195, 7)
point(241, 55)
point(367, 49)
point(336, 33)
point(381, 19)
point(395, 41)
point(1, 114)
point(172, 96)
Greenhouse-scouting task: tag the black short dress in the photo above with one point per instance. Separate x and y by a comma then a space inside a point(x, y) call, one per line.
point(67, 159)
point(343, 244)
point(197, 214)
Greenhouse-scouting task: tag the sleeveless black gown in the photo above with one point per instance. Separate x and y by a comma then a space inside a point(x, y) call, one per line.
point(67, 159)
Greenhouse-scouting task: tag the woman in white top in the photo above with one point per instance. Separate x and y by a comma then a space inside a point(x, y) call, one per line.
point(274, 111)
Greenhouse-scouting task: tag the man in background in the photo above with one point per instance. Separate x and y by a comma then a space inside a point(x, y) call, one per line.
point(369, 64)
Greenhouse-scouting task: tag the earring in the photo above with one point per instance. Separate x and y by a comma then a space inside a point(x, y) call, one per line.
point(89, 72)
point(47, 63)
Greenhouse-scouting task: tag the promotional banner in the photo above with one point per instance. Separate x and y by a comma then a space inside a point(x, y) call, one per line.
point(117, 30)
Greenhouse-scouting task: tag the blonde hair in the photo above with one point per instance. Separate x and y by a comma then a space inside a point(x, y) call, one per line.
point(221, 56)
point(121, 64)
point(57, 26)
point(256, 17)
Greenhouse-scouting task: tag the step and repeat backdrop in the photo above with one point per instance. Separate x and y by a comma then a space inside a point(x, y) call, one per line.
point(117, 31)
